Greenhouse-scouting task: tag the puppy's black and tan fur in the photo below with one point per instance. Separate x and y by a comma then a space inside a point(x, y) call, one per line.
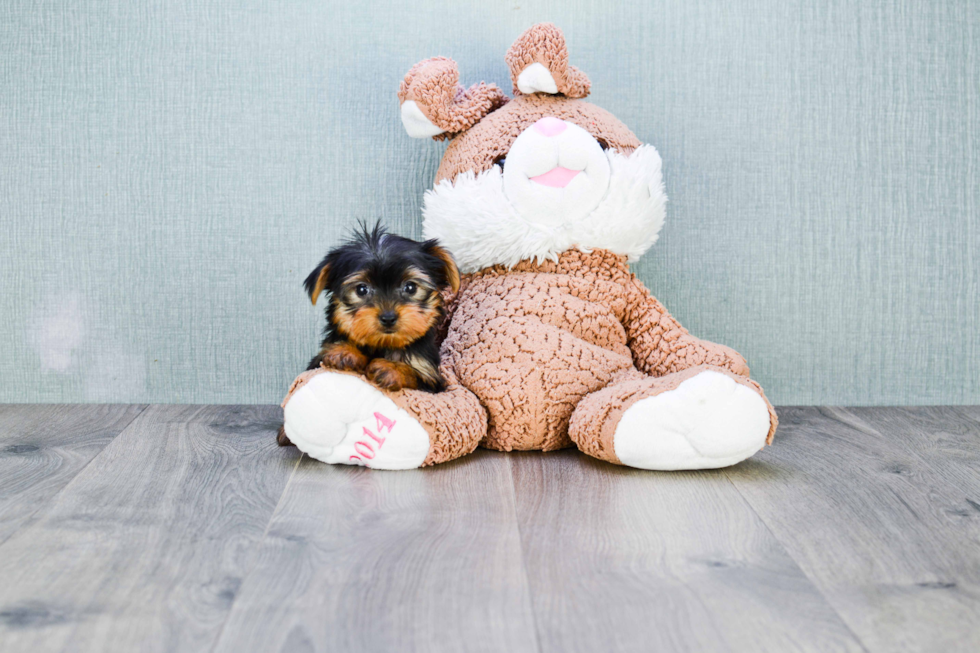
point(384, 308)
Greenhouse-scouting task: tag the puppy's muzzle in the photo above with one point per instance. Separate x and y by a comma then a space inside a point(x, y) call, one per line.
point(388, 319)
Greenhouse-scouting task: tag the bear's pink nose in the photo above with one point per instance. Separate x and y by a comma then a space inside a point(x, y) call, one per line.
point(550, 126)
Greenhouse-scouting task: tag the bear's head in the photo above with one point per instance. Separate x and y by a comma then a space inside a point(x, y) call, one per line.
point(531, 177)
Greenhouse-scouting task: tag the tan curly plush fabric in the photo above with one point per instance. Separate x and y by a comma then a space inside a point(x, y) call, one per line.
point(434, 85)
point(545, 44)
point(530, 343)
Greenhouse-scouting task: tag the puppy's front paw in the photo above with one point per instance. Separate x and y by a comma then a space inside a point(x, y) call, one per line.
point(391, 376)
point(344, 356)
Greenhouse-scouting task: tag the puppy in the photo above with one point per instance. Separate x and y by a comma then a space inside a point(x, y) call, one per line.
point(384, 308)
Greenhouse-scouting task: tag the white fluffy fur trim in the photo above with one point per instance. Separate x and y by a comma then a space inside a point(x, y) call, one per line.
point(474, 219)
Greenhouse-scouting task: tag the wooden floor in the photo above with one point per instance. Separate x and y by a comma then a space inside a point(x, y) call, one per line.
point(184, 528)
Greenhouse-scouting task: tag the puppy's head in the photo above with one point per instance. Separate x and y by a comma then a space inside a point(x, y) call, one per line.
point(385, 290)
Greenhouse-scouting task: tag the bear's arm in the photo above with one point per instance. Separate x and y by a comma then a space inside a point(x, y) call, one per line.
point(660, 345)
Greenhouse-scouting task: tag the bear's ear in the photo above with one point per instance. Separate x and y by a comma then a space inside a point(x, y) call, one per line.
point(434, 104)
point(538, 63)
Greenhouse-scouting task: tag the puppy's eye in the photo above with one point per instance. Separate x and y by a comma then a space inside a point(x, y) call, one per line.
point(362, 290)
point(410, 288)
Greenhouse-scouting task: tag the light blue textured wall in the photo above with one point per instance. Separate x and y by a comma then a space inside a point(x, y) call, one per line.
point(170, 171)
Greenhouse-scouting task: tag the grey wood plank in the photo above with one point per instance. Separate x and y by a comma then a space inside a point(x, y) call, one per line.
point(630, 560)
point(363, 560)
point(42, 447)
point(973, 412)
point(878, 520)
point(946, 438)
point(145, 549)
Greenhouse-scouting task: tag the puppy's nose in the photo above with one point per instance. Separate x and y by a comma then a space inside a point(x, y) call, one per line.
point(550, 126)
point(388, 318)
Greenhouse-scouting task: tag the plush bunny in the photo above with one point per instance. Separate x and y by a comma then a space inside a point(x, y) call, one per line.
point(550, 341)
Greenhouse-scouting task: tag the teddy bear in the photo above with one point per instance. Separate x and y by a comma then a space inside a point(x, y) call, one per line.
point(550, 340)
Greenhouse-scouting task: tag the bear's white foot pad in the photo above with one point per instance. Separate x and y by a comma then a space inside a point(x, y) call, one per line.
point(339, 418)
point(708, 421)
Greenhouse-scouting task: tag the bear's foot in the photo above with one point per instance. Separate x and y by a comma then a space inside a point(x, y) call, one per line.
point(706, 422)
point(340, 418)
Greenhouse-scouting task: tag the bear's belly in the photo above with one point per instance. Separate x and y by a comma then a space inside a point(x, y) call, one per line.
point(530, 351)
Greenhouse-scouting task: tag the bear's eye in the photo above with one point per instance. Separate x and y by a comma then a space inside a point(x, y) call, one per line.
point(603, 144)
point(500, 161)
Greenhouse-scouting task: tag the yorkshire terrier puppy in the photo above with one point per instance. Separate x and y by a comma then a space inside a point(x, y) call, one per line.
point(384, 308)
point(385, 304)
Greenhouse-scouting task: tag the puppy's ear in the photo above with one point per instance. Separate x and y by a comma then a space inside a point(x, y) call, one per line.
point(448, 264)
point(317, 281)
